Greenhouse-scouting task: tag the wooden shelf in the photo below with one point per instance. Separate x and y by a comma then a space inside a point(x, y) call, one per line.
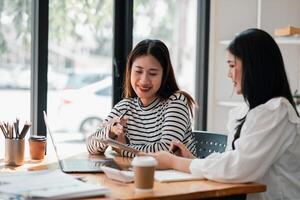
point(287, 31)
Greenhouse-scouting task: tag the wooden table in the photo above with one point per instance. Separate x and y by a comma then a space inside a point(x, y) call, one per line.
point(202, 189)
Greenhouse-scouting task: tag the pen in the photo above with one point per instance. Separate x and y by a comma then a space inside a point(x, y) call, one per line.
point(6, 127)
point(3, 130)
point(121, 116)
point(24, 130)
point(16, 132)
point(17, 127)
point(8, 130)
point(11, 130)
point(124, 114)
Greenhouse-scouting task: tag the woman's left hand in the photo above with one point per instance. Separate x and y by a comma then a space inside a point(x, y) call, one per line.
point(118, 151)
point(121, 139)
point(164, 159)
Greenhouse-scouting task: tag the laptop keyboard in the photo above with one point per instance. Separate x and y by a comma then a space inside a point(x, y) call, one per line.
point(87, 165)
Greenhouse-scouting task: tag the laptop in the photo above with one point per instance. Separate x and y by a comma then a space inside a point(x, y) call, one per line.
point(79, 164)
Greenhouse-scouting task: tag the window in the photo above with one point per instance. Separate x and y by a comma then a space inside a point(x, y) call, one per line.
point(15, 60)
point(173, 22)
point(80, 52)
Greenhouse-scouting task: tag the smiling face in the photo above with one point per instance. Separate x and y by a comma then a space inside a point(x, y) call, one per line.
point(235, 71)
point(146, 78)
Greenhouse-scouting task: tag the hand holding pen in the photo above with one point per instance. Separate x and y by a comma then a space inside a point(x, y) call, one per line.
point(117, 126)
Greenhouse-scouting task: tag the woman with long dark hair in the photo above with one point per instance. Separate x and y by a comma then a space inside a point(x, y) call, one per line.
point(264, 136)
point(157, 111)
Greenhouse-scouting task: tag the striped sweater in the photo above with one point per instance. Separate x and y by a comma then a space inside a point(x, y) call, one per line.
point(149, 128)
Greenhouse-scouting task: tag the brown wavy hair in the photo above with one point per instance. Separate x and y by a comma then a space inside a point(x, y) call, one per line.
point(160, 52)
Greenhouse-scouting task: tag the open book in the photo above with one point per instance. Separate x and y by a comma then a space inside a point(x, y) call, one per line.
point(48, 185)
point(174, 175)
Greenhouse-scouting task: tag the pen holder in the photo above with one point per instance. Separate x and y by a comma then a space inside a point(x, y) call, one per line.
point(37, 147)
point(14, 152)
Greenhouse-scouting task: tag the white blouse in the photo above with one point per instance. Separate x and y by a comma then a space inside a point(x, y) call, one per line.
point(268, 152)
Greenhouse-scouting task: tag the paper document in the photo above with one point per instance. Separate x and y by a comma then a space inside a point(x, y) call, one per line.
point(49, 185)
point(173, 175)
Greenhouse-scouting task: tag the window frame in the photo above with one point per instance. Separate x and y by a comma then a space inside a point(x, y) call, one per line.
point(122, 44)
point(39, 65)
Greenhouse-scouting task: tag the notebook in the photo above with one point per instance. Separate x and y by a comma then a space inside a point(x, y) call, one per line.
point(79, 165)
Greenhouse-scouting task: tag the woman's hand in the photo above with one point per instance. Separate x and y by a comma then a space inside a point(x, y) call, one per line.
point(167, 160)
point(121, 139)
point(118, 151)
point(117, 128)
point(164, 159)
point(180, 149)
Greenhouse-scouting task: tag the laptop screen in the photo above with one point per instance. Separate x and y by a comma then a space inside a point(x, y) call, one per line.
point(78, 160)
point(49, 133)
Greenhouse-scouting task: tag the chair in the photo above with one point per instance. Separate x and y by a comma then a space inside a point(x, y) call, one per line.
point(207, 143)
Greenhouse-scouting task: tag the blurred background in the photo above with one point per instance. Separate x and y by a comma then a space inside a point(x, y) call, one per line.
point(80, 54)
point(80, 51)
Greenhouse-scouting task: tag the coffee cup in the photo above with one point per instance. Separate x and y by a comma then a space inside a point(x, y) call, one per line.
point(14, 152)
point(37, 147)
point(144, 168)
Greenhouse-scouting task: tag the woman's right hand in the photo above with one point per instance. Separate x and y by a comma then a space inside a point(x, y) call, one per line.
point(117, 127)
point(180, 149)
point(165, 160)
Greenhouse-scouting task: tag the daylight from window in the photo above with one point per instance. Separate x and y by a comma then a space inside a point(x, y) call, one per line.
point(80, 65)
point(173, 22)
point(80, 56)
point(15, 48)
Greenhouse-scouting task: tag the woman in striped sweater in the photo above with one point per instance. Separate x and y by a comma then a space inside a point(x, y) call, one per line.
point(157, 112)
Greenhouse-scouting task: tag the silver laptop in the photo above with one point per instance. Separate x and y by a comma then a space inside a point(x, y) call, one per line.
point(80, 164)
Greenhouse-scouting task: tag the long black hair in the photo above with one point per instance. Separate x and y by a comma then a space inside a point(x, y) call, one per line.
point(263, 74)
point(160, 52)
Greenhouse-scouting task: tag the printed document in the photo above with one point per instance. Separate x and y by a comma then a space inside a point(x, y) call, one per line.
point(48, 185)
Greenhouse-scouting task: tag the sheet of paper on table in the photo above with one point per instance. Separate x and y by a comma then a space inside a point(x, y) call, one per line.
point(160, 175)
point(49, 185)
point(174, 175)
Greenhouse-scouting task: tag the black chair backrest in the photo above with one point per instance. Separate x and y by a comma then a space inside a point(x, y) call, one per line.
point(207, 143)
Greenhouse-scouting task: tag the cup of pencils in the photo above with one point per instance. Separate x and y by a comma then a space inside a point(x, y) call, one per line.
point(14, 142)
